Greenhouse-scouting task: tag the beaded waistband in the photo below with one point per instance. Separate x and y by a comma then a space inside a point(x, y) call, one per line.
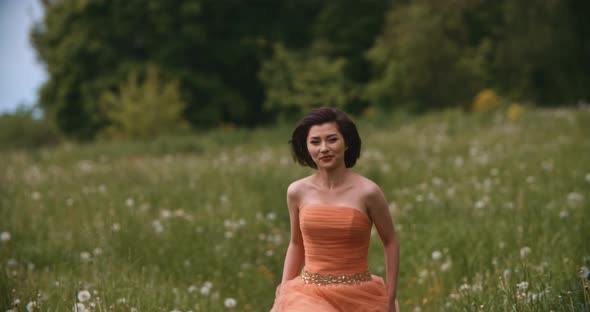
point(327, 279)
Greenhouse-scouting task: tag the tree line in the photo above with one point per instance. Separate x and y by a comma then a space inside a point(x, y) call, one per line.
point(248, 63)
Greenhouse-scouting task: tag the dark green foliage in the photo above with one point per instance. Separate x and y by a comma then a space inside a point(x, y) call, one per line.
point(419, 55)
point(21, 129)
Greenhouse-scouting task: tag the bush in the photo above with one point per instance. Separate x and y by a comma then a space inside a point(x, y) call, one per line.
point(486, 100)
point(22, 130)
point(146, 109)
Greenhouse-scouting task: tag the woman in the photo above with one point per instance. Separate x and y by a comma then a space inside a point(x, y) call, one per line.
point(331, 214)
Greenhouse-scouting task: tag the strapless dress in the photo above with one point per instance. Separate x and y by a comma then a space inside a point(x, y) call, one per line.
point(336, 275)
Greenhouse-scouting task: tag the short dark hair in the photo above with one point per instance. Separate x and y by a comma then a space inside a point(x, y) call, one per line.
point(319, 116)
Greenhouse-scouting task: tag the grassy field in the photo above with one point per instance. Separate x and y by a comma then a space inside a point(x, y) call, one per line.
point(492, 215)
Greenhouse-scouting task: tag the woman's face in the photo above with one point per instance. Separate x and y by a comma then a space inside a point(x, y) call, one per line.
point(326, 145)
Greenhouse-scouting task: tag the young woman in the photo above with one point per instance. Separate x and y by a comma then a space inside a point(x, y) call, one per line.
point(331, 214)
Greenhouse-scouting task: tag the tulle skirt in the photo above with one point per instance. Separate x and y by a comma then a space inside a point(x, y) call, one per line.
point(295, 295)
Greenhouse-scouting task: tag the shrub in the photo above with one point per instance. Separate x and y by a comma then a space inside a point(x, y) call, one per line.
point(485, 101)
point(22, 130)
point(143, 109)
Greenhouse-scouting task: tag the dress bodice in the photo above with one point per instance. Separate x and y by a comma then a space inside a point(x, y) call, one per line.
point(335, 238)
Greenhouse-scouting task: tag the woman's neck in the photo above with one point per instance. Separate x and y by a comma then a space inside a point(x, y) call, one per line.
point(330, 179)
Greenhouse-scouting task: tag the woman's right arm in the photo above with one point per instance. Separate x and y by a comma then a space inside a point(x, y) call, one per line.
point(295, 251)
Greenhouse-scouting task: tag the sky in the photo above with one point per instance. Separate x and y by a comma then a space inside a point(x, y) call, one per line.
point(21, 74)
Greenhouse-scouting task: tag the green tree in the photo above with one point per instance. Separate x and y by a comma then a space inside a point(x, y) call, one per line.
point(424, 57)
point(296, 81)
point(143, 109)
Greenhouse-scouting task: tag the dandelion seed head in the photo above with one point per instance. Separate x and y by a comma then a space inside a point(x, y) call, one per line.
point(524, 251)
point(5, 236)
point(564, 214)
point(83, 295)
point(436, 255)
point(129, 202)
point(85, 256)
point(31, 306)
point(229, 302)
point(524, 285)
point(80, 307)
point(446, 265)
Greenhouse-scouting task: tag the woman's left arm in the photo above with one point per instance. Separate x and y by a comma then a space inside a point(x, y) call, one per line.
point(378, 210)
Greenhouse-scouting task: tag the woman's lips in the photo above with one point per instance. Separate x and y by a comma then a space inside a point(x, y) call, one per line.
point(326, 158)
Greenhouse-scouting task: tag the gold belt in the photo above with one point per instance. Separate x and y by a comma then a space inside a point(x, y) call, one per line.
point(320, 279)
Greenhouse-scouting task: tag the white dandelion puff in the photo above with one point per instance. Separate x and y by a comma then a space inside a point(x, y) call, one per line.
point(574, 199)
point(564, 214)
point(85, 256)
point(524, 251)
point(229, 302)
point(446, 265)
point(83, 295)
point(157, 225)
point(80, 307)
point(129, 202)
point(436, 255)
point(31, 306)
point(524, 285)
point(36, 195)
point(5, 236)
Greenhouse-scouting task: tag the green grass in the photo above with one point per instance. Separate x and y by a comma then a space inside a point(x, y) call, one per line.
point(150, 225)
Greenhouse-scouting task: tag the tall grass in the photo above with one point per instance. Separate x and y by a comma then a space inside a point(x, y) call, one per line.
point(492, 215)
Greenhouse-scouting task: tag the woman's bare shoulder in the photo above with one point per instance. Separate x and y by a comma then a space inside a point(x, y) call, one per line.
point(297, 188)
point(365, 185)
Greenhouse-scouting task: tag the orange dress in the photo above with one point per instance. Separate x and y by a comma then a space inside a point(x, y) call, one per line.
point(336, 241)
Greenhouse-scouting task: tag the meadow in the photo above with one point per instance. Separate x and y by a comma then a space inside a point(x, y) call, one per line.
point(492, 215)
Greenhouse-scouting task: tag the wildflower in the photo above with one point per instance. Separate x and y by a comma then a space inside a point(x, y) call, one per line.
point(36, 195)
point(585, 273)
point(129, 202)
point(192, 288)
point(158, 227)
point(563, 214)
point(5, 236)
point(83, 295)
point(85, 256)
point(121, 301)
point(79, 307)
point(97, 251)
point(524, 285)
point(524, 251)
point(229, 302)
point(480, 204)
point(116, 227)
point(102, 188)
point(446, 265)
point(205, 290)
point(165, 213)
point(31, 306)
point(574, 199)
point(436, 255)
